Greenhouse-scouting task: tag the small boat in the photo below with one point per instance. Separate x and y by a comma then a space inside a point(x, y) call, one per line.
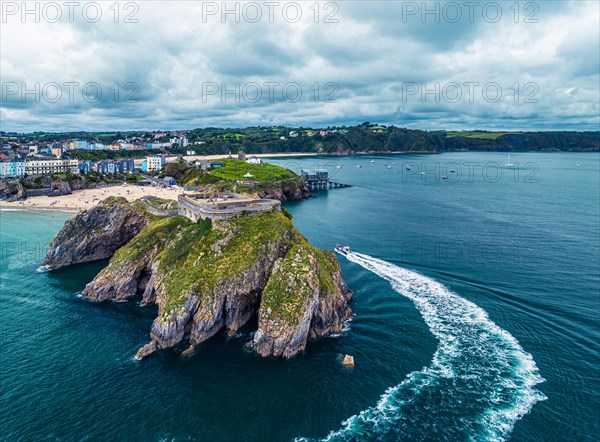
point(549, 160)
point(358, 166)
point(393, 164)
point(372, 161)
point(423, 173)
point(578, 165)
point(453, 171)
point(339, 166)
point(408, 167)
point(342, 250)
point(508, 163)
point(388, 166)
point(444, 177)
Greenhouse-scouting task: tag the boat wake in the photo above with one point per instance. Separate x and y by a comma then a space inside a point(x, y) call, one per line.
point(480, 381)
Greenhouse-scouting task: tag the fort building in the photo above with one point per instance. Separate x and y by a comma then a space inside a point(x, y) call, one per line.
point(219, 206)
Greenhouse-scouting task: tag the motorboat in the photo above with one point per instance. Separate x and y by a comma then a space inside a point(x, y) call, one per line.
point(342, 250)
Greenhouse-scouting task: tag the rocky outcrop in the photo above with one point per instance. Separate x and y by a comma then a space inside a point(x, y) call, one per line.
point(96, 233)
point(146, 350)
point(59, 187)
point(306, 298)
point(209, 278)
point(286, 190)
point(12, 190)
point(289, 302)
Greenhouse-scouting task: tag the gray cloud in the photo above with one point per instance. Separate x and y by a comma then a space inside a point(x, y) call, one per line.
point(374, 54)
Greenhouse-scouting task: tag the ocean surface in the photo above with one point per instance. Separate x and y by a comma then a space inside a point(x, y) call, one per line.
point(476, 301)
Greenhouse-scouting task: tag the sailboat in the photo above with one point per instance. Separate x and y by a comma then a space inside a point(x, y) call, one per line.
point(508, 163)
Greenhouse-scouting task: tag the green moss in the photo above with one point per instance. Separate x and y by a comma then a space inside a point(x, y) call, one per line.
point(327, 265)
point(156, 234)
point(114, 200)
point(286, 293)
point(193, 265)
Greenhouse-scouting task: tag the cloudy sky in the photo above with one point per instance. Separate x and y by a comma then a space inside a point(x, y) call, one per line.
point(177, 65)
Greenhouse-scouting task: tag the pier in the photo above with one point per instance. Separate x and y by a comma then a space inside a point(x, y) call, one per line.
point(319, 179)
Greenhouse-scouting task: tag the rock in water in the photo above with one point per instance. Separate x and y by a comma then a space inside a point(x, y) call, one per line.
point(96, 233)
point(188, 352)
point(207, 278)
point(348, 361)
point(146, 351)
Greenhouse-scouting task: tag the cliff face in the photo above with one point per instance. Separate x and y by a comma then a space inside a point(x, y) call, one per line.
point(12, 190)
point(96, 233)
point(287, 190)
point(207, 278)
point(305, 298)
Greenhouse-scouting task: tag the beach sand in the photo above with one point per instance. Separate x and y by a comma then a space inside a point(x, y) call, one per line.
point(88, 198)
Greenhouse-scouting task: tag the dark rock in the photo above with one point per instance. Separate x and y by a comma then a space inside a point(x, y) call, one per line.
point(12, 190)
point(96, 233)
point(146, 350)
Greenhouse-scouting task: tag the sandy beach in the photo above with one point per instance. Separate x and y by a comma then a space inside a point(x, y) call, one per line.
point(88, 198)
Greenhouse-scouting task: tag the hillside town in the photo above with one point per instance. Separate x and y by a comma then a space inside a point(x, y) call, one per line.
point(19, 157)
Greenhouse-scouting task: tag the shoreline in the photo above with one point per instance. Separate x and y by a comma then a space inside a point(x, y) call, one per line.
point(258, 155)
point(88, 198)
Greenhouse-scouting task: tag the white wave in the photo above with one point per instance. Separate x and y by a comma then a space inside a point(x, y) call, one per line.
point(476, 363)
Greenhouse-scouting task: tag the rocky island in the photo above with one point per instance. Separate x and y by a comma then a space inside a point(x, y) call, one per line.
point(209, 276)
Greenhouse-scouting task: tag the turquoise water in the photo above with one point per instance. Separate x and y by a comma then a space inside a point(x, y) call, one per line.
point(477, 317)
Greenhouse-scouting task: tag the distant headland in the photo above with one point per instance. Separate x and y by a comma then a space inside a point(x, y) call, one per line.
point(337, 140)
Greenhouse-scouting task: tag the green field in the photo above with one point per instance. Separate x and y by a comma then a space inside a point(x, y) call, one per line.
point(236, 136)
point(478, 134)
point(264, 172)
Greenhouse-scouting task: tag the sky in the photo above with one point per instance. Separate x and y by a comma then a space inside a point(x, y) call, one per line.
point(152, 65)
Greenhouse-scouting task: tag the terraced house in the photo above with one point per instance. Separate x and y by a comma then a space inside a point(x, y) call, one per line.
point(47, 167)
point(12, 169)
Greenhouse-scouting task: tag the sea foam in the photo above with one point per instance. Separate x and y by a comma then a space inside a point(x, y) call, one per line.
point(480, 381)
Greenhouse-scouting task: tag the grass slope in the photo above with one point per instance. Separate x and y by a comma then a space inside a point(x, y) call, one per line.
point(264, 172)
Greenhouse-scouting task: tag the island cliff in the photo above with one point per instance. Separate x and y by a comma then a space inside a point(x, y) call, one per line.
point(209, 277)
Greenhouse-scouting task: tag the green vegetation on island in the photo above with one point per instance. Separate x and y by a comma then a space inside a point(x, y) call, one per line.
point(209, 276)
point(242, 170)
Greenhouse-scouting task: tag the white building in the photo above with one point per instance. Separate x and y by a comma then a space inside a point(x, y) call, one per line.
point(155, 163)
point(253, 160)
point(47, 167)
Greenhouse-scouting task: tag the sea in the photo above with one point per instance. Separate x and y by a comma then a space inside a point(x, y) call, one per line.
point(476, 318)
